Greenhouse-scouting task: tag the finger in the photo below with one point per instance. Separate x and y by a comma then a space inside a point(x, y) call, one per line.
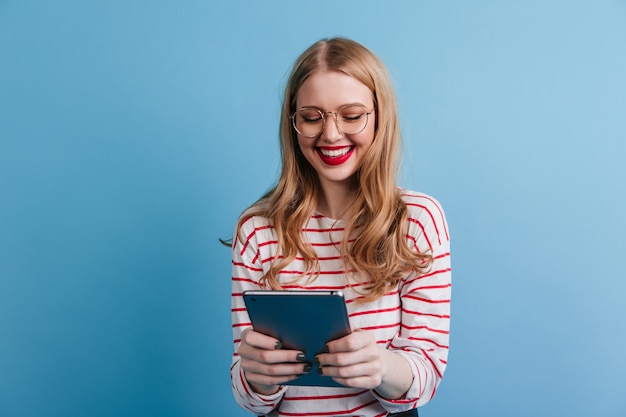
point(259, 340)
point(262, 348)
point(264, 356)
point(366, 369)
point(354, 341)
point(272, 374)
point(269, 380)
point(369, 353)
point(365, 376)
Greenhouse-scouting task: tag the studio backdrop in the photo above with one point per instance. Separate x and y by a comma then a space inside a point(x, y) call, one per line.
point(134, 133)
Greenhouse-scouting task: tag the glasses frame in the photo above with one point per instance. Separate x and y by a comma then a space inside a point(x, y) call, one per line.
point(335, 113)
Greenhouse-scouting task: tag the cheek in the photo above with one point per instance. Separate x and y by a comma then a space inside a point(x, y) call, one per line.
point(305, 150)
point(301, 145)
point(371, 128)
point(366, 138)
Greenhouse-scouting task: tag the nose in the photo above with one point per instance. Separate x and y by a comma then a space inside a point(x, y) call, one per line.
point(331, 132)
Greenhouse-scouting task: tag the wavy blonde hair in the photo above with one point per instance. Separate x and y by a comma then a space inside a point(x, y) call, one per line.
point(377, 218)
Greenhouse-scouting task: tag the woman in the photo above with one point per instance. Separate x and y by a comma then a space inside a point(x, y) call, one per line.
point(337, 220)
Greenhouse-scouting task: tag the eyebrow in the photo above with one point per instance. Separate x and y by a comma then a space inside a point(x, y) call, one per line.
point(356, 103)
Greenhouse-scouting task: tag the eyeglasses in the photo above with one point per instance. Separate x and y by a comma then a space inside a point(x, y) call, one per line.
point(349, 119)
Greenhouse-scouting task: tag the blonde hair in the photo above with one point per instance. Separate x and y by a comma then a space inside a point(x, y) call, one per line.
point(379, 250)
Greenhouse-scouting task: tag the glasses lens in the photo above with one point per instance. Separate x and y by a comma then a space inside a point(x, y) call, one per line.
point(308, 122)
point(352, 119)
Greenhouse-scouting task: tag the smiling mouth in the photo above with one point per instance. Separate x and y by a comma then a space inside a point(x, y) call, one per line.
point(336, 155)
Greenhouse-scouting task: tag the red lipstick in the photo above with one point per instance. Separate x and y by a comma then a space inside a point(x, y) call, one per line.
point(337, 157)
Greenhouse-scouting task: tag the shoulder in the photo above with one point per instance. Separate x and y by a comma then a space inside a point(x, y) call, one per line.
point(254, 225)
point(425, 213)
point(251, 223)
point(417, 202)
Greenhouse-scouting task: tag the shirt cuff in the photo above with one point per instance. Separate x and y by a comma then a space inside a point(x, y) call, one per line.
point(262, 399)
point(410, 397)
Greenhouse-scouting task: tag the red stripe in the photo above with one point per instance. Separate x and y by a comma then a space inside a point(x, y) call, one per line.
point(256, 256)
point(431, 218)
point(338, 229)
point(437, 206)
point(326, 397)
point(251, 235)
point(423, 339)
point(243, 382)
point(442, 217)
point(393, 293)
point(426, 300)
point(430, 287)
point(329, 413)
point(323, 287)
point(421, 226)
point(337, 272)
point(246, 280)
point(421, 313)
point(412, 238)
point(430, 329)
point(382, 310)
point(250, 268)
point(301, 259)
point(432, 363)
point(429, 274)
point(382, 326)
point(267, 242)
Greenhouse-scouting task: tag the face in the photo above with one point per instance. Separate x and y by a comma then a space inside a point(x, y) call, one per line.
point(335, 155)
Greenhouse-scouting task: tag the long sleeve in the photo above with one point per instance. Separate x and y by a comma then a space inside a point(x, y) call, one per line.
point(425, 304)
point(247, 270)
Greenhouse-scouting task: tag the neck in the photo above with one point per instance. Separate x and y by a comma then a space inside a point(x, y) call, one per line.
point(335, 200)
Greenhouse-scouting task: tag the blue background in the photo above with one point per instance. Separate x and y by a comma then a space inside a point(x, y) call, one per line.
point(133, 133)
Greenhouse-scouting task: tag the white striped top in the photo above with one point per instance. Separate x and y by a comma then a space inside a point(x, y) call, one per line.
point(412, 320)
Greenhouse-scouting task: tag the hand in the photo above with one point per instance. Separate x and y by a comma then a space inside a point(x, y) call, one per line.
point(265, 365)
point(357, 361)
point(354, 360)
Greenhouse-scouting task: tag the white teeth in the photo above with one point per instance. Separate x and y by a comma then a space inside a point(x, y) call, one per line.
point(335, 152)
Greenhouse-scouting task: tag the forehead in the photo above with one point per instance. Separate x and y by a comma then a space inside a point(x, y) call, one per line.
point(331, 89)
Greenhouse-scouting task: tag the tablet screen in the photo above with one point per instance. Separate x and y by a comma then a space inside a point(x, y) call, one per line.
point(301, 320)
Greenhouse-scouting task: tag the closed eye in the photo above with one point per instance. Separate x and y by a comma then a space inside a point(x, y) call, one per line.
point(351, 118)
point(310, 116)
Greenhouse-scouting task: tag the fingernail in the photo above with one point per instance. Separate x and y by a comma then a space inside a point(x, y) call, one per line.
point(326, 350)
point(319, 370)
point(300, 357)
point(307, 368)
point(317, 361)
point(278, 345)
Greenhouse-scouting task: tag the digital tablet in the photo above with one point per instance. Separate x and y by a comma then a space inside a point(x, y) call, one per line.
point(301, 320)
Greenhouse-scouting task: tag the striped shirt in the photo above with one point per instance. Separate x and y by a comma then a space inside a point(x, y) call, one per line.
point(412, 319)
